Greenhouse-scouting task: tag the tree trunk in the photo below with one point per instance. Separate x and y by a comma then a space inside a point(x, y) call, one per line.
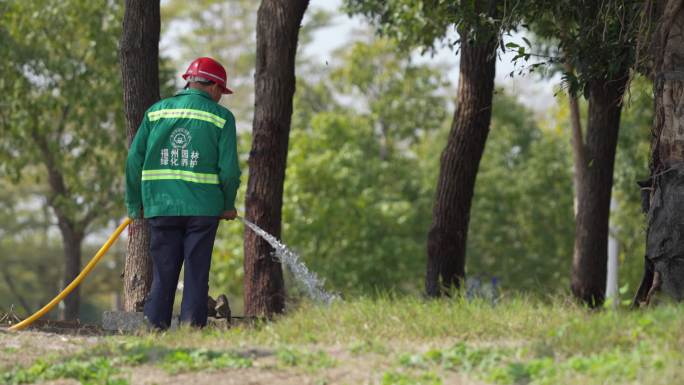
point(71, 242)
point(140, 75)
point(459, 164)
point(72, 232)
point(664, 267)
point(278, 25)
point(577, 137)
point(595, 182)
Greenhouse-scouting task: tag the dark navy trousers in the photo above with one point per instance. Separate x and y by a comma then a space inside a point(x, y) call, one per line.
point(175, 240)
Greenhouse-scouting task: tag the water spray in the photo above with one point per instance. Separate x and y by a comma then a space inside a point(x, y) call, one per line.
point(311, 282)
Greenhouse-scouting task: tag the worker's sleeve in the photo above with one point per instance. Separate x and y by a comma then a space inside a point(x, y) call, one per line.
point(229, 166)
point(134, 167)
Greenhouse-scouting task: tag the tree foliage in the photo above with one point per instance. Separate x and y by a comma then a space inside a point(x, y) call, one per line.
point(355, 202)
point(427, 24)
point(598, 39)
point(62, 102)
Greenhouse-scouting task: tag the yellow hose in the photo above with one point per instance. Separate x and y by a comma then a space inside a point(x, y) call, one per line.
point(23, 324)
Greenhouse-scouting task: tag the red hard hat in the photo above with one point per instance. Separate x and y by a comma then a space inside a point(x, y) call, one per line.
point(210, 69)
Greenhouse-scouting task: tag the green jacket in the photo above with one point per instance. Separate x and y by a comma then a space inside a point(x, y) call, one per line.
point(183, 160)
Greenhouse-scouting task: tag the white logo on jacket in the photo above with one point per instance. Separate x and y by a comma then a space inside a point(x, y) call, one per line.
point(180, 137)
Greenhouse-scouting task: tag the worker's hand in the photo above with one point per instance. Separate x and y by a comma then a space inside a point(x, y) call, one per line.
point(229, 215)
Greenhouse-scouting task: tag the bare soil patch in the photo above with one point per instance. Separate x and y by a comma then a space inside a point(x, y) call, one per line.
point(23, 348)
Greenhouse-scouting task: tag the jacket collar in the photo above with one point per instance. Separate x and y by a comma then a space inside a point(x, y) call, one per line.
point(195, 91)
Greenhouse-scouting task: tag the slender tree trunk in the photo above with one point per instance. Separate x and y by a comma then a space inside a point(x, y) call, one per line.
point(595, 182)
point(459, 164)
point(577, 137)
point(139, 60)
point(664, 268)
point(278, 23)
point(71, 242)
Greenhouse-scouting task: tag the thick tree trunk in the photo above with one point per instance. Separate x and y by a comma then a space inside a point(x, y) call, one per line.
point(140, 74)
point(71, 242)
point(459, 164)
point(595, 182)
point(664, 266)
point(278, 23)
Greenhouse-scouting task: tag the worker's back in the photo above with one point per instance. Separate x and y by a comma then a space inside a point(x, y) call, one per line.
point(190, 163)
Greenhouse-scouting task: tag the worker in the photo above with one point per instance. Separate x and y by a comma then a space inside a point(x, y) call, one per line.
point(182, 174)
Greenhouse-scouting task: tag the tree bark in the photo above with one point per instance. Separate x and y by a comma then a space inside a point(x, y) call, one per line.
point(595, 182)
point(664, 267)
point(278, 24)
point(459, 164)
point(139, 60)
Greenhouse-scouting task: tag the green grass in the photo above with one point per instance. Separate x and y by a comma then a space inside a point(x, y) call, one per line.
point(313, 360)
point(101, 365)
point(183, 360)
point(397, 378)
point(95, 371)
point(518, 341)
